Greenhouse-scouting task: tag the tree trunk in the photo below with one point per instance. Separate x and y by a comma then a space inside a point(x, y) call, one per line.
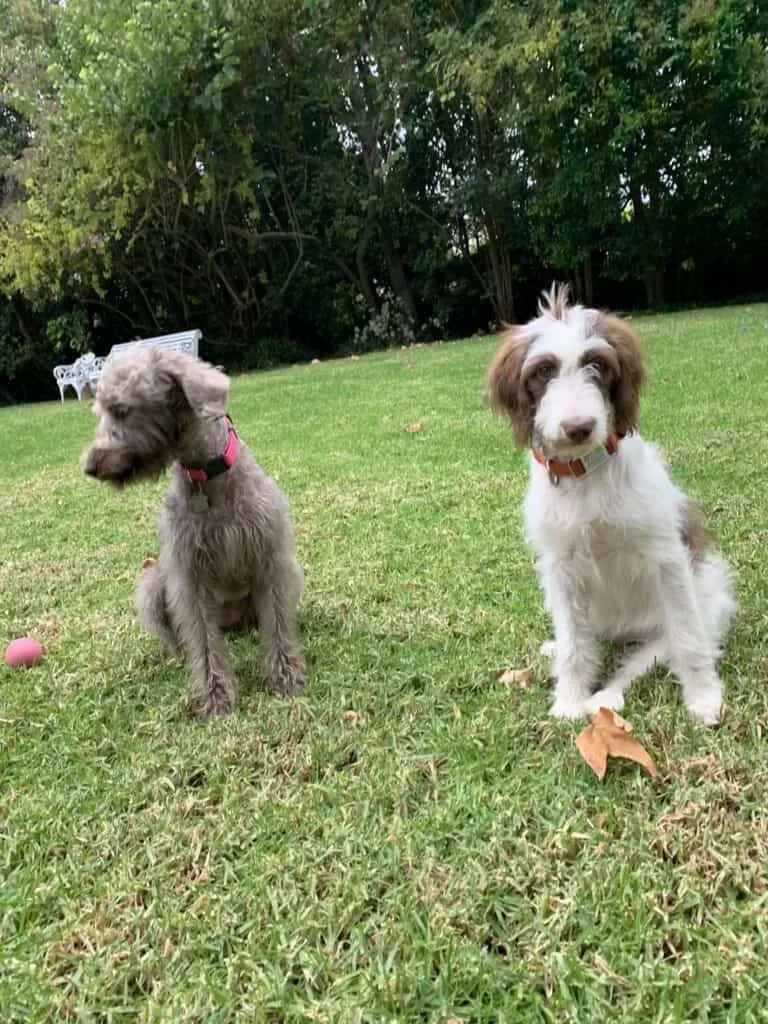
point(589, 280)
point(577, 273)
point(397, 275)
point(16, 302)
point(501, 269)
point(362, 270)
point(487, 149)
point(653, 275)
point(461, 226)
point(653, 279)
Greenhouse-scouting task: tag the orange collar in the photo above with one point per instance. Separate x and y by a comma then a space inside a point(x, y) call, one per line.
point(557, 468)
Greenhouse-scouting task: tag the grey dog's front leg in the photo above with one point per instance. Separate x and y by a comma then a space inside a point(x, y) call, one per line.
point(214, 686)
point(152, 605)
point(276, 606)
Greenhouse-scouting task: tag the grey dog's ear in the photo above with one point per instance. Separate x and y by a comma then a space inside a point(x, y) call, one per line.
point(205, 388)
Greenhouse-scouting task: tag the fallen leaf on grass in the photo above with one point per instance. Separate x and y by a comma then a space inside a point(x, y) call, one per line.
point(315, 362)
point(517, 677)
point(621, 722)
point(414, 428)
point(147, 562)
point(354, 358)
point(608, 736)
point(351, 717)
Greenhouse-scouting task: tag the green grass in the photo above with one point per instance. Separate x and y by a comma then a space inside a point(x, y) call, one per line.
point(446, 855)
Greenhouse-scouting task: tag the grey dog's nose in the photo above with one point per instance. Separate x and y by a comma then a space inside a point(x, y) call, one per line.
point(579, 428)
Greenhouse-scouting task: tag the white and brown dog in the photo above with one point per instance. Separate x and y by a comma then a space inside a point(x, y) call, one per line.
point(621, 552)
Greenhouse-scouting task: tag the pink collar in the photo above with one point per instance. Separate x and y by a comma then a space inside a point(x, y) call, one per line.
point(219, 464)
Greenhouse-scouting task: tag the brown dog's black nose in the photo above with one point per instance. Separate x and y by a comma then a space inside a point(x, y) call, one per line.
point(579, 428)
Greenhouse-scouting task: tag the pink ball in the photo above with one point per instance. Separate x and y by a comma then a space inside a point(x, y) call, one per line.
point(24, 652)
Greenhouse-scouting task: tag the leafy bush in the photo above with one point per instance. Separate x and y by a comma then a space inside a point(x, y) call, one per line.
point(388, 327)
point(69, 331)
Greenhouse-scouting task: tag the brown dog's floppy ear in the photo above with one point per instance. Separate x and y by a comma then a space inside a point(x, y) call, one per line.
point(504, 386)
point(205, 388)
point(626, 390)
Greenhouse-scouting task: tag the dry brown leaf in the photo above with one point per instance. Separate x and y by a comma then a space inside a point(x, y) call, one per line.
point(591, 746)
point(351, 717)
point(315, 362)
point(517, 677)
point(608, 736)
point(414, 428)
point(354, 358)
point(148, 562)
point(621, 722)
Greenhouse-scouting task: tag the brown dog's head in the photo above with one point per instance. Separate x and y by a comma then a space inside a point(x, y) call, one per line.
point(146, 401)
point(568, 379)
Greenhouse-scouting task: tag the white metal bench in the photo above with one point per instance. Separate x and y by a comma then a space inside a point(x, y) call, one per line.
point(85, 371)
point(182, 341)
point(80, 375)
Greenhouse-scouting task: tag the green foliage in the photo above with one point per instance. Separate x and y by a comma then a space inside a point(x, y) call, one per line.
point(388, 327)
point(68, 331)
point(275, 171)
point(636, 124)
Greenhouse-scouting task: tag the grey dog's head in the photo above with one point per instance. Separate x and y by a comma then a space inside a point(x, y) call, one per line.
point(146, 401)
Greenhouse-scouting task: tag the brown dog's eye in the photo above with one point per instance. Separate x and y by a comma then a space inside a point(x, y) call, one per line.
point(599, 369)
point(545, 372)
point(598, 366)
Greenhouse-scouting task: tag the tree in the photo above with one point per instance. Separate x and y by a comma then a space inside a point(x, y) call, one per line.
point(281, 174)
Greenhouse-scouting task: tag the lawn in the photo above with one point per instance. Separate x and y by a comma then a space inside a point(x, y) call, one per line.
point(410, 840)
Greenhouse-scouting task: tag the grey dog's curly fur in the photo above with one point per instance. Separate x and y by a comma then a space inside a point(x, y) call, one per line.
point(227, 549)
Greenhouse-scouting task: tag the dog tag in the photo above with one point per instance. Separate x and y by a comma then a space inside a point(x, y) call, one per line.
point(198, 502)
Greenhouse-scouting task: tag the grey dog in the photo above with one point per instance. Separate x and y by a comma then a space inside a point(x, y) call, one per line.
point(227, 549)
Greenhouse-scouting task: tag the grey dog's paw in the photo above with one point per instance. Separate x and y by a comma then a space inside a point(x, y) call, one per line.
point(286, 675)
point(218, 698)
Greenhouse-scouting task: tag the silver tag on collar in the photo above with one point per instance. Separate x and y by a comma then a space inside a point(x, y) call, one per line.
point(594, 459)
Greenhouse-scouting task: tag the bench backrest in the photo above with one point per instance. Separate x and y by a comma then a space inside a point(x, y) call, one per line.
point(84, 368)
point(65, 372)
point(182, 341)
